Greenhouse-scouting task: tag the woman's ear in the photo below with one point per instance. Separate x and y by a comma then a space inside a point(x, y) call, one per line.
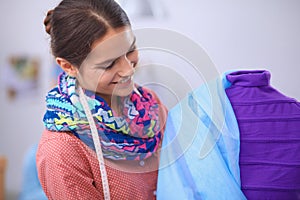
point(70, 69)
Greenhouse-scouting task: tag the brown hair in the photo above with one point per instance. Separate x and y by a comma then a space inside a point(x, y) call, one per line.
point(75, 24)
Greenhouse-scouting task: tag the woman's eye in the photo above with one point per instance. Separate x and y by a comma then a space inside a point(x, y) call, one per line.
point(111, 65)
point(132, 50)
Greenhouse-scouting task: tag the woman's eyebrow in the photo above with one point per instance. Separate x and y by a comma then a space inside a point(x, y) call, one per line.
point(108, 62)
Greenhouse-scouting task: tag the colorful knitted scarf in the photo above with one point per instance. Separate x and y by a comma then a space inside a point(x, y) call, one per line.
point(134, 135)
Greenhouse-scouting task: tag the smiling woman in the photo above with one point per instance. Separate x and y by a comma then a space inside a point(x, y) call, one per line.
point(93, 43)
point(109, 67)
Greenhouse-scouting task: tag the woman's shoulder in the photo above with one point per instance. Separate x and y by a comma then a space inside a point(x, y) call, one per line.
point(57, 137)
point(60, 145)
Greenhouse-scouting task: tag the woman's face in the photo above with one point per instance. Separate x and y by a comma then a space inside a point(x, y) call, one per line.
point(108, 69)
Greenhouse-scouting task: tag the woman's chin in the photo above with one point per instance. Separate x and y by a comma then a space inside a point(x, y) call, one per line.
point(123, 90)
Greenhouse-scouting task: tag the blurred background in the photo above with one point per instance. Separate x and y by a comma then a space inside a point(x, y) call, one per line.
point(248, 34)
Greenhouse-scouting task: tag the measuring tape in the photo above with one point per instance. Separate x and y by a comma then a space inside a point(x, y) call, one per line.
point(96, 143)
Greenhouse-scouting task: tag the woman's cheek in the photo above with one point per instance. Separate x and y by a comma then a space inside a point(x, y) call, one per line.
point(90, 78)
point(104, 80)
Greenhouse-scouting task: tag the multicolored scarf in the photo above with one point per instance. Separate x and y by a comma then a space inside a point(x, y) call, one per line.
point(134, 135)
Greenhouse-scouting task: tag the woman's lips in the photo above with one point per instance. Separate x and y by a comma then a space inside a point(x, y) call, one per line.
point(124, 82)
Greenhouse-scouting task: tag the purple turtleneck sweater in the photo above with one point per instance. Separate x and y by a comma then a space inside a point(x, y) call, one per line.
point(269, 124)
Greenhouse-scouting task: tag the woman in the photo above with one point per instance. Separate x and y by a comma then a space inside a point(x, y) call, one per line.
point(93, 43)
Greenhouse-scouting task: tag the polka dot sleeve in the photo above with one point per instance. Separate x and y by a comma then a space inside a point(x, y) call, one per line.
point(64, 170)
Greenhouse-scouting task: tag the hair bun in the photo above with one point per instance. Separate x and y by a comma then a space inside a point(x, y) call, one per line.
point(47, 21)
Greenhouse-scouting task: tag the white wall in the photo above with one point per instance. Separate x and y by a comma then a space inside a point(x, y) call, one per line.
point(236, 34)
point(22, 33)
point(243, 35)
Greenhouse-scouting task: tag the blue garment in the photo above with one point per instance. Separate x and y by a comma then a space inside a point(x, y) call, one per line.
point(200, 150)
point(31, 187)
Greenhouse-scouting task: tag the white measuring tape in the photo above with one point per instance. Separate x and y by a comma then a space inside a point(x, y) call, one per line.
point(96, 143)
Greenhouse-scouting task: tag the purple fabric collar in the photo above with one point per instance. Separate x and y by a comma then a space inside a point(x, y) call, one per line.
point(251, 78)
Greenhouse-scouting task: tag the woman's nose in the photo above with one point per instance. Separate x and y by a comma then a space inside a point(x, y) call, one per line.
point(126, 66)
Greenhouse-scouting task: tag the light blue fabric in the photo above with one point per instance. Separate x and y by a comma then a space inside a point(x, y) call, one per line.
point(31, 187)
point(200, 150)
